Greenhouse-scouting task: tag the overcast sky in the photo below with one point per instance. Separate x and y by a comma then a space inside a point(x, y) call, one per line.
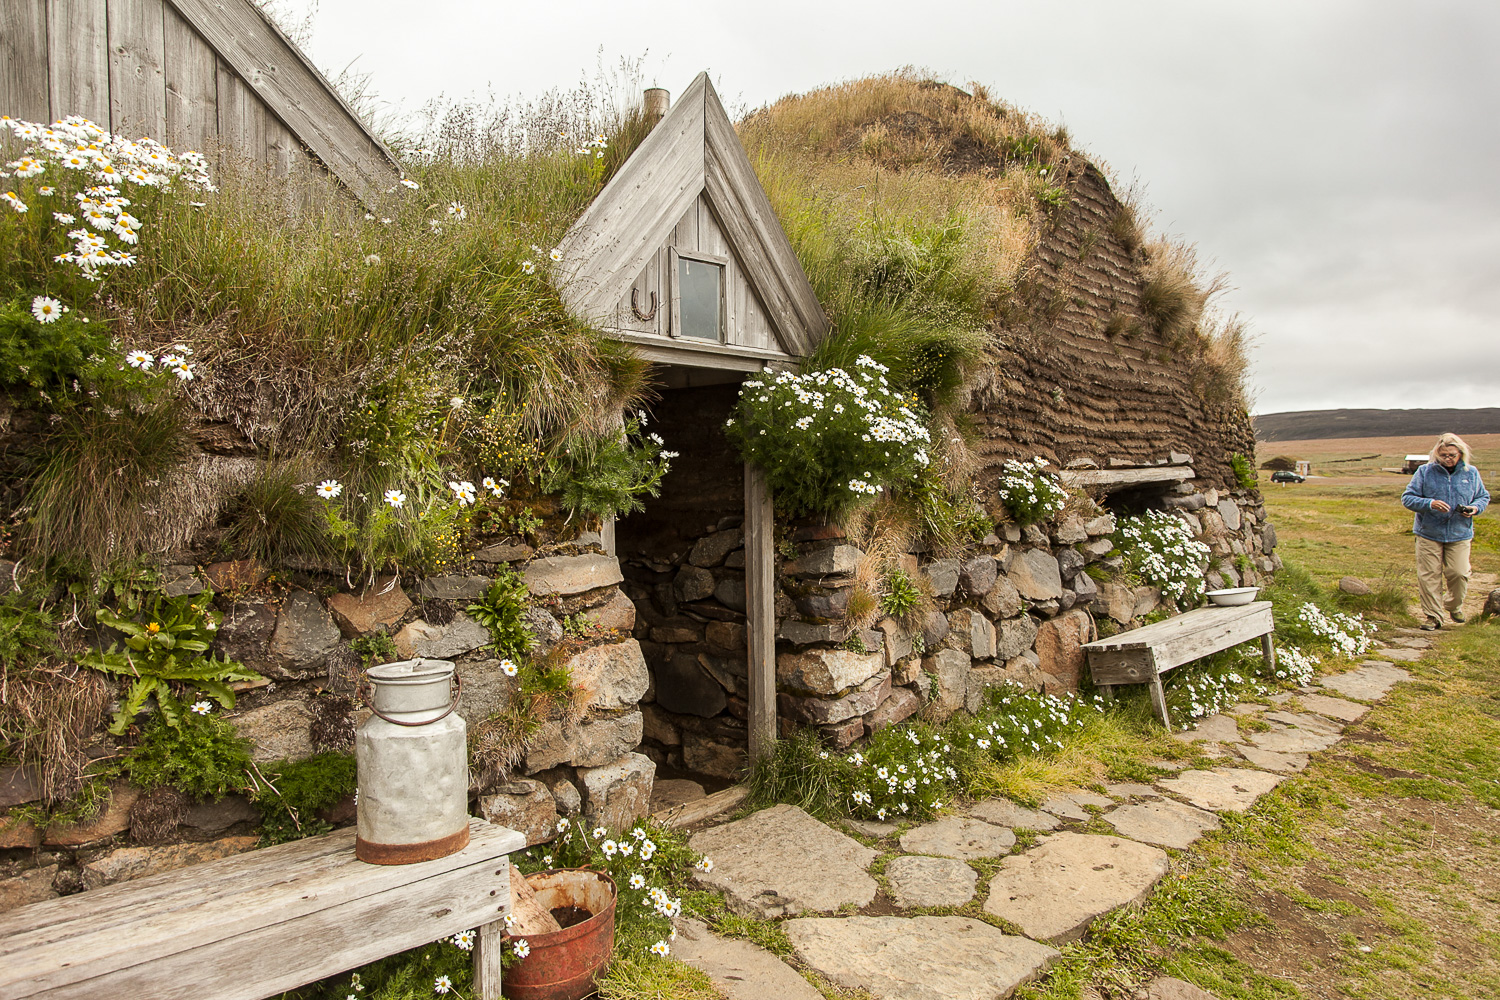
point(1338, 159)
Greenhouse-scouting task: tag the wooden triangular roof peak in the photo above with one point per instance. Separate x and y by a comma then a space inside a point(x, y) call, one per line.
point(691, 158)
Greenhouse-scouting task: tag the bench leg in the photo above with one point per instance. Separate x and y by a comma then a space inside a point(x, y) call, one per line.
point(488, 949)
point(1268, 653)
point(1108, 691)
point(1159, 700)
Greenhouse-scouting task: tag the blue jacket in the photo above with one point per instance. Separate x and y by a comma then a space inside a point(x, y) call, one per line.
point(1460, 488)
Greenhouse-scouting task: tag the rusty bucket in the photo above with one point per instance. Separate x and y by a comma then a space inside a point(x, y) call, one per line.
point(562, 965)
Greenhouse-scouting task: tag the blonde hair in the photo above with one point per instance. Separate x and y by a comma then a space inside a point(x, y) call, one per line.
point(1451, 440)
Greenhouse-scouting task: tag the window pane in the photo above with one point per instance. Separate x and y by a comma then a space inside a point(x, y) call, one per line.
point(700, 289)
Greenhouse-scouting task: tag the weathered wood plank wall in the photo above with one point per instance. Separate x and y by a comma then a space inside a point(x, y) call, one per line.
point(195, 74)
point(23, 56)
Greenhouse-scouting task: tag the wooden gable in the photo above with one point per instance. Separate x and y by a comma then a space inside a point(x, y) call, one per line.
point(689, 191)
point(194, 74)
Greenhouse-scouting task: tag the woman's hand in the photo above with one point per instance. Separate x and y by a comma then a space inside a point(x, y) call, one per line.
point(1441, 506)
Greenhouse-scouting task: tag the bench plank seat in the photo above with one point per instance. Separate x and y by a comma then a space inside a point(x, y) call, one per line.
point(251, 926)
point(1142, 655)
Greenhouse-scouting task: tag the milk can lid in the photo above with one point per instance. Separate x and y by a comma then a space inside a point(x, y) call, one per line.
point(411, 671)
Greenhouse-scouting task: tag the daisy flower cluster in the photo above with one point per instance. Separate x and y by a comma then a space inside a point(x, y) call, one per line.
point(79, 174)
point(1348, 635)
point(1161, 550)
point(1212, 685)
point(595, 147)
point(176, 362)
point(1029, 493)
point(831, 438)
point(910, 772)
point(1295, 667)
point(645, 864)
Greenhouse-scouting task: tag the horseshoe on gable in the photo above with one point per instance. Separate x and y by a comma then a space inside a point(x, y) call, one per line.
point(644, 316)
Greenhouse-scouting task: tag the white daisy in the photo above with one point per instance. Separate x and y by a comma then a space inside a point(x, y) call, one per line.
point(46, 309)
point(330, 488)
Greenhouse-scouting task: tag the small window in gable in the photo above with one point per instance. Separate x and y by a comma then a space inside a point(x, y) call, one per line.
point(698, 297)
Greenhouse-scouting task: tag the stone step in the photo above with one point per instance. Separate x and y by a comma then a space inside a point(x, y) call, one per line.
point(921, 881)
point(1164, 823)
point(959, 837)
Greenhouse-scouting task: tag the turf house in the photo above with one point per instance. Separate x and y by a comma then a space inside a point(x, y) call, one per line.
point(681, 437)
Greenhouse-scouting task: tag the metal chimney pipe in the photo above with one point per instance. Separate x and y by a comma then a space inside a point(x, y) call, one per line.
point(656, 102)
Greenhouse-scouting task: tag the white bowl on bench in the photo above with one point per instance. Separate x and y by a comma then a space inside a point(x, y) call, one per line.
point(1232, 596)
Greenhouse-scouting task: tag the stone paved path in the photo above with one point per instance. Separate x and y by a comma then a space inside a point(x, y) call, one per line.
point(783, 862)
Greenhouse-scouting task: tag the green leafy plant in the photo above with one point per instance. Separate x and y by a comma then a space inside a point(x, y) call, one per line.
point(425, 531)
point(607, 475)
point(1029, 493)
point(910, 771)
point(524, 522)
point(289, 794)
point(44, 357)
point(500, 610)
point(1244, 472)
point(164, 651)
point(376, 647)
point(901, 595)
point(947, 516)
point(28, 634)
point(202, 757)
point(829, 440)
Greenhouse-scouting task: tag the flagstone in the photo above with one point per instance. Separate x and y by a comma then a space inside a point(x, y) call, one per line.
point(917, 881)
point(780, 861)
point(1004, 812)
point(1335, 708)
point(1273, 761)
point(1232, 789)
point(1164, 823)
point(1294, 740)
point(1213, 729)
point(1053, 892)
point(959, 837)
point(1370, 682)
point(919, 958)
point(740, 969)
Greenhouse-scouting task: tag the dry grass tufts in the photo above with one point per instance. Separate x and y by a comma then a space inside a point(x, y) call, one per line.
point(1175, 292)
point(1222, 361)
point(156, 815)
point(47, 717)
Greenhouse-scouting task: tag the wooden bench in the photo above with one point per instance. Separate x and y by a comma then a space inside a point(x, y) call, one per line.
point(255, 925)
point(1142, 655)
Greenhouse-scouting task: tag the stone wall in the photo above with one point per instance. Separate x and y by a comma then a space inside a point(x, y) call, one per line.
point(1015, 608)
point(581, 762)
point(684, 565)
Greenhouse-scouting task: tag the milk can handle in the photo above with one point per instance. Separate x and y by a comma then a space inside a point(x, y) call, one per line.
point(458, 692)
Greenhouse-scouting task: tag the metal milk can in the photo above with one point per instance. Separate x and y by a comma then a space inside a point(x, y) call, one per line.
point(413, 763)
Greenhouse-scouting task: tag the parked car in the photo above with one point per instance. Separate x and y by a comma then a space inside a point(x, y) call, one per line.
point(1287, 476)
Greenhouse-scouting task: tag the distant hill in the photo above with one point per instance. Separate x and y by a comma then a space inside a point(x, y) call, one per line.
point(1307, 425)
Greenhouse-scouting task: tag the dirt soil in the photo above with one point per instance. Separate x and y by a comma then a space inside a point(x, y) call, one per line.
point(1391, 849)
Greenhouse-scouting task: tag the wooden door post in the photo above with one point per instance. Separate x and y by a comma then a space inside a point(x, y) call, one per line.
point(760, 610)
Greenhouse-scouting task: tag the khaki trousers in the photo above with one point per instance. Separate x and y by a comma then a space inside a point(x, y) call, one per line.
point(1439, 563)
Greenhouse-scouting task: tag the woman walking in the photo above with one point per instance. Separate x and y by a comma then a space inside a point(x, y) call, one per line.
point(1446, 494)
